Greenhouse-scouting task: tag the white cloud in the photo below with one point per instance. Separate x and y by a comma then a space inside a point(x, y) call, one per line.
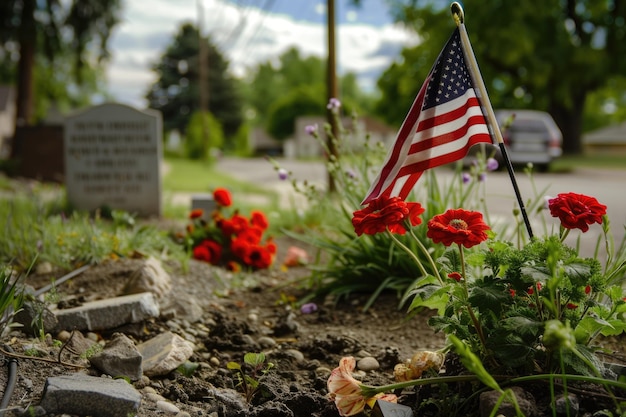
point(245, 36)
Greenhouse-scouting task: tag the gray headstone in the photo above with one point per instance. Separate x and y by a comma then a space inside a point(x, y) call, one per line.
point(113, 155)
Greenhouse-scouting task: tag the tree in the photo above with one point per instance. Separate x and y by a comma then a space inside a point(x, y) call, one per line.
point(545, 54)
point(47, 28)
point(176, 93)
point(295, 86)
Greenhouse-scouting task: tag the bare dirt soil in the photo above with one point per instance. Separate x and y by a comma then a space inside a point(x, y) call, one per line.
point(252, 313)
point(247, 313)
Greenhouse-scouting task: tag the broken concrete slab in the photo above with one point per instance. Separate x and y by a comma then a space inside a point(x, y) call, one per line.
point(164, 353)
point(109, 313)
point(119, 357)
point(85, 395)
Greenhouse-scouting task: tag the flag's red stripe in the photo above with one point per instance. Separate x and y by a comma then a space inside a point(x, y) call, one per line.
point(449, 116)
point(409, 184)
point(404, 134)
point(447, 137)
point(444, 159)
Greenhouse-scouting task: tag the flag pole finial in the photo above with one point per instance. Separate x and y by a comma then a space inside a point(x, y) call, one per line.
point(457, 13)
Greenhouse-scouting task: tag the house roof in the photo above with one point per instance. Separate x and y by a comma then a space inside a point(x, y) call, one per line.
point(613, 134)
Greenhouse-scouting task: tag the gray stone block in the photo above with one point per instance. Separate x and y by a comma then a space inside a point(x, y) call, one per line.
point(86, 395)
point(109, 313)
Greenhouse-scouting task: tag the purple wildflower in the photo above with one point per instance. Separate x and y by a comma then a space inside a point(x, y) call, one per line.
point(283, 174)
point(308, 308)
point(466, 178)
point(351, 174)
point(482, 177)
point(311, 129)
point(333, 104)
point(492, 164)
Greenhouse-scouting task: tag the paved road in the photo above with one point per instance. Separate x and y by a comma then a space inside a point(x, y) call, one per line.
point(608, 186)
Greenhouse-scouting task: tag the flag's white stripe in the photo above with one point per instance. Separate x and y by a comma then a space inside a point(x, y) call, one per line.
point(446, 148)
point(448, 127)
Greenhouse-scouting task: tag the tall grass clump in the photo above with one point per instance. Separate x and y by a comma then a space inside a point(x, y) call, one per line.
point(35, 229)
point(369, 264)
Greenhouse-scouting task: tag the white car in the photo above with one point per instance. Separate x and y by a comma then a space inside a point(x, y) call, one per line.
point(529, 136)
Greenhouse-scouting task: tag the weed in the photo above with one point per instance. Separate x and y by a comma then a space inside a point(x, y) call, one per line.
point(248, 374)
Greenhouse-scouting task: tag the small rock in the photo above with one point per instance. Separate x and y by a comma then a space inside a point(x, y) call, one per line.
point(525, 400)
point(167, 407)
point(120, 357)
point(149, 277)
point(266, 342)
point(567, 406)
point(295, 354)
point(368, 364)
point(164, 353)
point(214, 361)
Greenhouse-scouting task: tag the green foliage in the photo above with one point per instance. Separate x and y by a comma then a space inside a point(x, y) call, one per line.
point(203, 137)
point(520, 69)
point(176, 93)
point(67, 41)
point(270, 83)
point(188, 368)
point(11, 298)
point(69, 240)
point(248, 373)
point(240, 144)
point(302, 101)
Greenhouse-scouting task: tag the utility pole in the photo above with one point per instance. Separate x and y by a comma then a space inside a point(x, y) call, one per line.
point(203, 59)
point(331, 87)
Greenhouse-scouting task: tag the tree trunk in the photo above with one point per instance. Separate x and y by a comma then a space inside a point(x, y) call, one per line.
point(27, 40)
point(570, 121)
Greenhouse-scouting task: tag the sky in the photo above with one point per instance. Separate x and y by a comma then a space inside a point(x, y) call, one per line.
point(249, 32)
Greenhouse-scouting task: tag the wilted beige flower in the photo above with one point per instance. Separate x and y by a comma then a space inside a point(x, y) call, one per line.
point(419, 363)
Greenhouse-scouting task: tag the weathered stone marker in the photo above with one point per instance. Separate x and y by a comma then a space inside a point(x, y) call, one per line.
point(113, 156)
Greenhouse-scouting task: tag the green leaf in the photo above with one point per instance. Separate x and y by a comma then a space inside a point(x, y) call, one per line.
point(522, 325)
point(489, 295)
point(234, 366)
point(254, 359)
point(473, 363)
point(430, 296)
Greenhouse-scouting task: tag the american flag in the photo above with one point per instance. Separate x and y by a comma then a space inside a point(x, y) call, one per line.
point(444, 121)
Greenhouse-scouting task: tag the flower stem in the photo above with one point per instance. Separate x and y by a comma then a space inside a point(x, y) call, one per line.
point(431, 261)
point(477, 326)
point(409, 252)
point(370, 391)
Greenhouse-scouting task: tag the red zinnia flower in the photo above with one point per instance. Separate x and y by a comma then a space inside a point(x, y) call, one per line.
point(455, 276)
point(458, 226)
point(258, 219)
point(251, 235)
point(235, 225)
point(270, 245)
point(214, 249)
point(588, 289)
point(233, 266)
point(386, 213)
point(259, 257)
point(576, 211)
point(196, 213)
point(222, 197)
point(571, 306)
point(240, 248)
point(202, 253)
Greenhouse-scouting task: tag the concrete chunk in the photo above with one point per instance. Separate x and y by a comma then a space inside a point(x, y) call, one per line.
point(86, 395)
point(109, 313)
point(164, 353)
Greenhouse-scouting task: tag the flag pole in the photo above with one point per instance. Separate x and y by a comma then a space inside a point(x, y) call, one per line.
point(459, 17)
